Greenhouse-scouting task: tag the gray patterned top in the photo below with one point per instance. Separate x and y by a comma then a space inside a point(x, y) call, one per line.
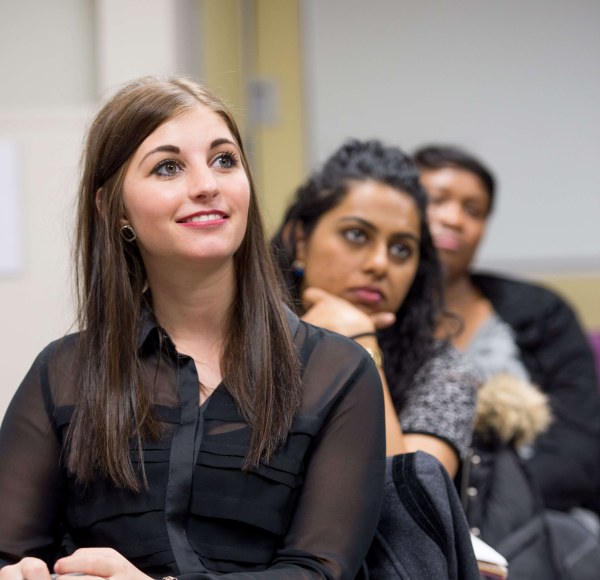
point(441, 401)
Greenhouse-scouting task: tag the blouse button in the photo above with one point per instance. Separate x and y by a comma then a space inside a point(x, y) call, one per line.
point(476, 460)
point(475, 531)
point(471, 491)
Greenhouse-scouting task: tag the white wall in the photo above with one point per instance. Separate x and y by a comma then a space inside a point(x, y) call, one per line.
point(58, 59)
point(47, 53)
point(517, 82)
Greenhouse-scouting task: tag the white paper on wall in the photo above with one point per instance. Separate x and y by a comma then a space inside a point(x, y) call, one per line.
point(11, 225)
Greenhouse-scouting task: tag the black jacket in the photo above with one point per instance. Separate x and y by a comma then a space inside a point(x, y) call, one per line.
point(558, 356)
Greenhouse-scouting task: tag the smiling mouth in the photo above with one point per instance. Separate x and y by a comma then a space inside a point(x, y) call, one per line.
point(205, 217)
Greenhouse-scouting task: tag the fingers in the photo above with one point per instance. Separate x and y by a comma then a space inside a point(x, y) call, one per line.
point(312, 295)
point(102, 562)
point(383, 320)
point(99, 562)
point(27, 568)
point(340, 315)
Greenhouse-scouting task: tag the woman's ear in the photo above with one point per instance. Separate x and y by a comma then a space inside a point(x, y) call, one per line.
point(101, 207)
point(300, 243)
point(98, 200)
point(292, 236)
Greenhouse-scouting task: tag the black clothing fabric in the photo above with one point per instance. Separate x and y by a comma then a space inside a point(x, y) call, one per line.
point(565, 464)
point(310, 513)
point(423, 532)
point(507, 513)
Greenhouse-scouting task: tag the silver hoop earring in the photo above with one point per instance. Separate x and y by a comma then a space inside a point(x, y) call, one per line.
point(128, 233)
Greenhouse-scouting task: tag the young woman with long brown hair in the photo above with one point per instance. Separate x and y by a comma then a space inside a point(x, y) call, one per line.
point(194, 426)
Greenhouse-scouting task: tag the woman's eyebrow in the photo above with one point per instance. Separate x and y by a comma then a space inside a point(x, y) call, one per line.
point(161, 149)
point(372, 227)
point(361, 221)
point(177, 150)
point(223, 141)
point(410, 236)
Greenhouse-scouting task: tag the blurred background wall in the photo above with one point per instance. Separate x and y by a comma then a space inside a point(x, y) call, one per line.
point(517, 82)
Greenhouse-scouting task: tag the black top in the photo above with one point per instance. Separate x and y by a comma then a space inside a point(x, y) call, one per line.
point(310, 513)
point(559, 359)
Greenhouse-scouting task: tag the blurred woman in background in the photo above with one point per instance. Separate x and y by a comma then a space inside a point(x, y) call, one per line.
point(516, 333)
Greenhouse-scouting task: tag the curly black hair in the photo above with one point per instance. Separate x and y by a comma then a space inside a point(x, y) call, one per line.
point(411, 340)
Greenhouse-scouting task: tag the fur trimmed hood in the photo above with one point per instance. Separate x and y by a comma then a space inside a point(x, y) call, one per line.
point(511, 410)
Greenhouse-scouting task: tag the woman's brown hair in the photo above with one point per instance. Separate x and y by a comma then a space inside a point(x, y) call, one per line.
point(260, 362)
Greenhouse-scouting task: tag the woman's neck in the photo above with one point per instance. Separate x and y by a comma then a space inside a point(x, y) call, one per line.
point(465, 300)
point(193, 307)
point(460, 292)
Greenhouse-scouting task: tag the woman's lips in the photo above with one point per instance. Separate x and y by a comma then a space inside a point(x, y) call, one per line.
point(367, 295)
point(446, 242)
point(204, 219)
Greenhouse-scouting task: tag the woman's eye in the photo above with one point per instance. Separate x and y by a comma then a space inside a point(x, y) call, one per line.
point(355, 235)
point(474, 212)
point(167, 168)
point(401, 251)
point(227, 160)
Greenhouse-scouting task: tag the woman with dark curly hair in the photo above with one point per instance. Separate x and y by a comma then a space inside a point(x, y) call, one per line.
point(357, 256)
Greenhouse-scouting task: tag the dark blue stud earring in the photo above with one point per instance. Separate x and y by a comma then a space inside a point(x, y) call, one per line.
point(298, 268)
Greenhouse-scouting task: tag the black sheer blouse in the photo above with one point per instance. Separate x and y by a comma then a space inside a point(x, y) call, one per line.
point(310, 513)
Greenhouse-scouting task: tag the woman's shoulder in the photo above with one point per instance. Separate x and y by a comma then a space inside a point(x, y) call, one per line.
point(446, 360)
point(334, 366)
point(521, 297)
point(537, 314)
point(54, 367)
point(59, 352)
point(48, 379)
point(441, 401)
point(447, 379)
point(329, 341)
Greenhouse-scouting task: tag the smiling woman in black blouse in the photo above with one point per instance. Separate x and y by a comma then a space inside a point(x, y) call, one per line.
point(194, 427)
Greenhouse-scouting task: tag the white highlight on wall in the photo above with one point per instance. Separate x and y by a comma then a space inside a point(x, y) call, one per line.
point(11, 224)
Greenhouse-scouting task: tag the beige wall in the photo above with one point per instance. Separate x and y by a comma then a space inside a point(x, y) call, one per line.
point(221, 48)
point(245, 42)
point(280, 147)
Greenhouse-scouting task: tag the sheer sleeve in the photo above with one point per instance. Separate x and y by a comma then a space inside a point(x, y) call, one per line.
point(338, 509)
point(30, 476)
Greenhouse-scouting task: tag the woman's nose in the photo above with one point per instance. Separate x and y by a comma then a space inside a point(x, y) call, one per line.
point(203, 182)
point(377, 260)
point(449, 214)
